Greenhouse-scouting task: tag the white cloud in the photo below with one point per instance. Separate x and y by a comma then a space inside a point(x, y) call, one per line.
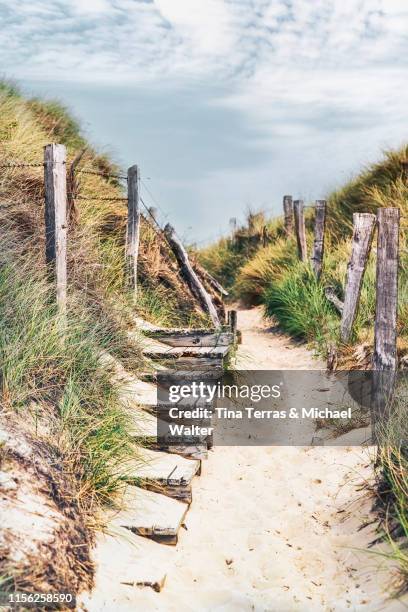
point(343, 55)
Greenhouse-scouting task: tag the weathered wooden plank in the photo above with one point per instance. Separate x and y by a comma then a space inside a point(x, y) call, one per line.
point(385, 336)
point(160, 332)
point(300, 230)
point(318, 243)
point(363, 229)
point(55, 214)
point(151, 515)
point(288, 214)
point(165, 473)
point(190, 276)
point(202, 364)
point(159, 350)
point(133, 228)
point(192, 339)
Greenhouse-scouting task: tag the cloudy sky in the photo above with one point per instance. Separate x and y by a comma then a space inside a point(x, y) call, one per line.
point(223, 103)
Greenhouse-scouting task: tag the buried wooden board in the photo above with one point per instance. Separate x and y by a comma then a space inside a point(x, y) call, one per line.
point(151, 515)
point(122, 557)
point(169, 474)
point(192, 339)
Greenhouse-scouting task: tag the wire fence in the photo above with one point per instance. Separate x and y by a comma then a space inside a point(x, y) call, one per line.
point(122, 177)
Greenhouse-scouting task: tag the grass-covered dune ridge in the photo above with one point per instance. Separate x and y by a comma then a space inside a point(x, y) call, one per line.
point(57, 394)
point(272, 275)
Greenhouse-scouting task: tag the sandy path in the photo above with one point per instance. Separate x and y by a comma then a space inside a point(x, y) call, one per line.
point(271, 528)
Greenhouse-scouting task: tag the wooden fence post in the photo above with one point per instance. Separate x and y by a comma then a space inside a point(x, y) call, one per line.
point(288, 214)
point(363, 229)
point(233, 320)
point(133, 228)
point(385, 330)
point(318, 244)
point(189, 275)
point(385, 337)
point(300, 229)
point(55, 213)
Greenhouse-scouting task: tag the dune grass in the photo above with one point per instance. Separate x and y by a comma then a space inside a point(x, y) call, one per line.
point(52, 377)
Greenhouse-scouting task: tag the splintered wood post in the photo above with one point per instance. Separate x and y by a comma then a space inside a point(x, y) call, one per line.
point(288, 214)
point(363, 229)
point(385, 337)
point(133, 228)
point(300, 229)
point(189, 275)
point(318, 244)
point(55, 213)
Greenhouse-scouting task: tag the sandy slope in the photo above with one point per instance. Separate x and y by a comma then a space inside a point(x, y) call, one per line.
point(270, 528)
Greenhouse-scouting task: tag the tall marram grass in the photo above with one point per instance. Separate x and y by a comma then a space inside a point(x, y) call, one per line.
point(52, 376)
point(298, 302)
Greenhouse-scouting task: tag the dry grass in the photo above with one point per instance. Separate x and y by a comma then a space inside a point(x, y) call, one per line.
point(53, 381)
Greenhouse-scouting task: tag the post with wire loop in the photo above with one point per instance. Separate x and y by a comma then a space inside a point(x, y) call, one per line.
point(133, 228)
point(55, 183)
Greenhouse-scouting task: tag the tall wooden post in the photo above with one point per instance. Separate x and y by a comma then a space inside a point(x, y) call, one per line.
point(318, 244)
point(385, 331)
point(191, 278)
point(288, 214)
point(385, 337)
point(300, 229)
point(363, 229)
point(133, 228)
point(55, 213)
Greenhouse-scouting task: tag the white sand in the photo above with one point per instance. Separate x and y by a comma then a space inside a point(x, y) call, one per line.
point(270, 528)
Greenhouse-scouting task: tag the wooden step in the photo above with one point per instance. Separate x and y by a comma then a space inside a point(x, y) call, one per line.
point(165, 473)
point(158, 350)
point(151, 515)
point(155, 332)
point(143, 426)
point(201, 364)
point(189, 338)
